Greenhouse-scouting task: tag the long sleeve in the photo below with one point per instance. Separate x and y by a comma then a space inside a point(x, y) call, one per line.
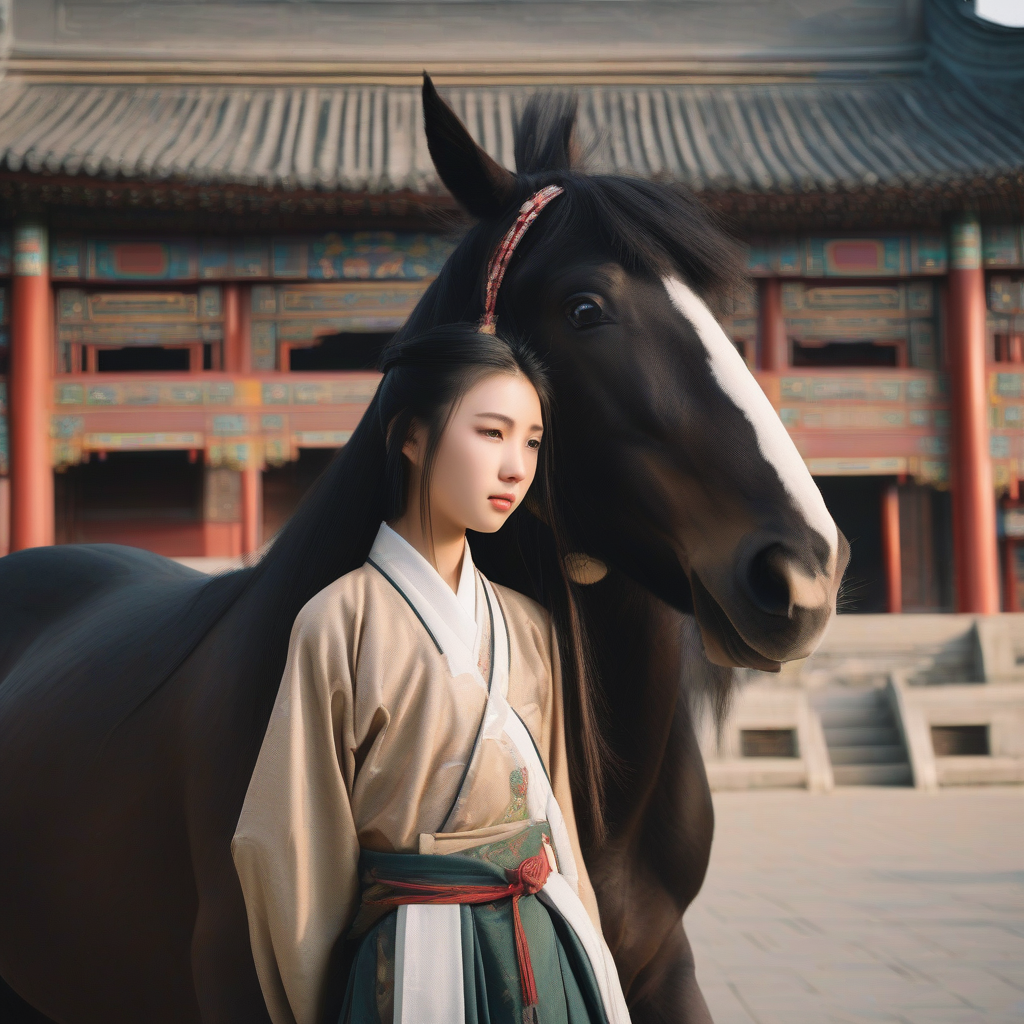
point(295, 847)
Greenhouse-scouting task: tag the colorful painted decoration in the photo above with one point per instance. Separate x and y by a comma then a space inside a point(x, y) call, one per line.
point(904, 313)
point(390, 255)
point(879, 256)
point(245, 422)
point(1002, 245)
point(130, 318)
point(359, 256)
point(29, 245)
point(1006, 295)
point(297, 315)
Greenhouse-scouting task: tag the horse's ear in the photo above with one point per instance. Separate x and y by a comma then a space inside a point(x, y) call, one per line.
point(479, 184)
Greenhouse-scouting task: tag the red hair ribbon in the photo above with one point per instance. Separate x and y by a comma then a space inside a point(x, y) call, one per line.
point(528, 213)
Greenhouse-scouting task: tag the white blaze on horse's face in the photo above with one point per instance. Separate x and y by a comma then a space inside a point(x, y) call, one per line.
point(773, 441)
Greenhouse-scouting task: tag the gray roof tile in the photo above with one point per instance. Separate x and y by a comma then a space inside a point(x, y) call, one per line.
point(820, 136)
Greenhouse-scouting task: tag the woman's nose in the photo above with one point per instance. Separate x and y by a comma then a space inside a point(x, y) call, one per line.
point(513, 470)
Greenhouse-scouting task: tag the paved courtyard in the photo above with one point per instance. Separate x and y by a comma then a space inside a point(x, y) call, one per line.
point(864, 905)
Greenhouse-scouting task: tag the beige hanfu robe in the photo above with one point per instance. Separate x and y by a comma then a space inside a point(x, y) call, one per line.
point(410, 720)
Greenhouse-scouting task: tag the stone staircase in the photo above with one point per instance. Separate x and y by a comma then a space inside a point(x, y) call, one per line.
point(863, 739)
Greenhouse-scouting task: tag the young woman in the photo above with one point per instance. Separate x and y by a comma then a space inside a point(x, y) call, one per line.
point(409, 823)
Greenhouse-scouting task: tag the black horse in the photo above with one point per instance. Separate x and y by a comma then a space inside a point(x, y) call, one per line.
point(134, 694)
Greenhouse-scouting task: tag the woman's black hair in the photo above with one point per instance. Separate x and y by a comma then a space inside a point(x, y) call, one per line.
point(425, 376)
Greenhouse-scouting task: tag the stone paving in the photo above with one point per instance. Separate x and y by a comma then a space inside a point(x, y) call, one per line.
point(864, 905)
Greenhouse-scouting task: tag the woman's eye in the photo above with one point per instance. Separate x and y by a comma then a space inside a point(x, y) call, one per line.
point(533, 443)
point(585, 313)
point(495, 433)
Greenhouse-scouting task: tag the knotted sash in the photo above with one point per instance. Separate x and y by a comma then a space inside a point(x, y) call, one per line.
point(528, 213)
point(404, 879)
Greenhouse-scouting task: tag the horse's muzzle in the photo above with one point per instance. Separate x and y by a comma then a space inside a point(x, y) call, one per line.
point(771, 608)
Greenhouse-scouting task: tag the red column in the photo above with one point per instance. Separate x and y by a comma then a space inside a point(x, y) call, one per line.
point(771, 327)
point(232, 329)
point(252, 510)
point(974, 503)
point(891, 548)
point(236, 349)
point(28, 391)
point(5, 515)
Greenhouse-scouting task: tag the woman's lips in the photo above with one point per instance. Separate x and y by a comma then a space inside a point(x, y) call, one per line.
point(502, 502)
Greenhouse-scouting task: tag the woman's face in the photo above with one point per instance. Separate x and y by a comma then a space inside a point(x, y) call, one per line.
point(487, 457)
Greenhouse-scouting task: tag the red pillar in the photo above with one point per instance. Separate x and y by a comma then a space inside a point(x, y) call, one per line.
point(236, 350)
point(974, 502)
point(771, 327)
point(891, 557)
point(252, 510)
point(28, 391)
point(5, 515)
point(232, 329)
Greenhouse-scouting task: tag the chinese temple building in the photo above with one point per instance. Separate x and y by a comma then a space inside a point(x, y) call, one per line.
point(213, 215)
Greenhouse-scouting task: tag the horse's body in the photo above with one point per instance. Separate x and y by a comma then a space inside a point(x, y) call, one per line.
point(134, 694)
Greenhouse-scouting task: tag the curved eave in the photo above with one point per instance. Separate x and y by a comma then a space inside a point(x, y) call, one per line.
point(761, 144)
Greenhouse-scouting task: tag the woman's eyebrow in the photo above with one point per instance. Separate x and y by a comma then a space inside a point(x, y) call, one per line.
point(508, 421)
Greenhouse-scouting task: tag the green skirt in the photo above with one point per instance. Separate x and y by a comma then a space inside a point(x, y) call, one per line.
point(567, 991)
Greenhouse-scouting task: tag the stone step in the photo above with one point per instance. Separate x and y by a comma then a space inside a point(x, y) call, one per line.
point(848, 696)
point(862, 736)
point(873, 774)
point(864, 649)
point(836, 718)
point(891, 753)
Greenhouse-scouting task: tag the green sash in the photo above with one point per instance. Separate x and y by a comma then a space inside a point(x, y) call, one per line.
point(567, 989)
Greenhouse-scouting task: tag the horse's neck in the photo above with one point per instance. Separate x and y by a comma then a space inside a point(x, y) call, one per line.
point(637, 650)
point(658, 805)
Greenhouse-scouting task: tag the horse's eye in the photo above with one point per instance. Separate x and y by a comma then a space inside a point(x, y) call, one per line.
point(585, 313)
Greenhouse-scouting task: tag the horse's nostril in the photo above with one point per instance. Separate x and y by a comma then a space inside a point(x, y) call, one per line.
point(768, 582)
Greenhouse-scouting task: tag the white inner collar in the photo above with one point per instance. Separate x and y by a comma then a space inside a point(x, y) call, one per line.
point(458, 610)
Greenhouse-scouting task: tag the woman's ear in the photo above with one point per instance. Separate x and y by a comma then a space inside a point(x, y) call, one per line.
point(479, 184)
point(413, 447)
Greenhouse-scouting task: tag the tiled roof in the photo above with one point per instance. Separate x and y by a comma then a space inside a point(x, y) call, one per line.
point(810, 137)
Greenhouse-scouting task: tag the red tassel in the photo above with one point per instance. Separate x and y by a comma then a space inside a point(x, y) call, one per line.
point(526, 978)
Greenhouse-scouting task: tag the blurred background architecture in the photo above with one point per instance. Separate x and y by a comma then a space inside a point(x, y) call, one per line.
point(218, 212)
point(215, 213)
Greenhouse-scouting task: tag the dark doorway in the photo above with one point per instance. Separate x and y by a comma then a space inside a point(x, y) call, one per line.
point(856, 505)
point(284, 486)
point(141, 357)
point(845, 353)
point(340, 352)
point(926, 549)
point(151, 500)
